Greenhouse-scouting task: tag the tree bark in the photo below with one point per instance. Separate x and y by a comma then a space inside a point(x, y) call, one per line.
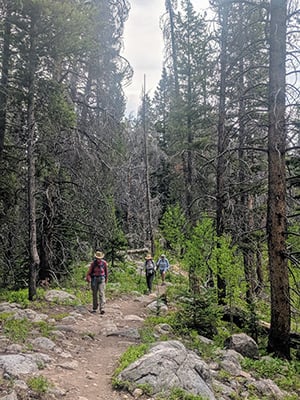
point(245, 203)
point(279, 337)
point(31, 127)
point(170, 11)
point(222, 143)
point(146, 157)
point(4, 76)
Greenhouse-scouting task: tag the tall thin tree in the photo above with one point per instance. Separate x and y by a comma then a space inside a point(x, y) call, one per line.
point(4, 73)
point(222, 140)
point(147, 174)
point(31, 155)
point(279, 337)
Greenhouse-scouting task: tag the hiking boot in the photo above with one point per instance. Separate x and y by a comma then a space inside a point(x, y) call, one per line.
point(102, 312)
point(93, 311)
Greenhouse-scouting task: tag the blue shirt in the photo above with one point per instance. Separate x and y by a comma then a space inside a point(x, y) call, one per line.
point(163, 264)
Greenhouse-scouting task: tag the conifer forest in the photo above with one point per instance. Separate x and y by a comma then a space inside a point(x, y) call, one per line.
point(208, 171)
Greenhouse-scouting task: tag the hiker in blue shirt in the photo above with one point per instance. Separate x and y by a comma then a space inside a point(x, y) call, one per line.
point(163, 265)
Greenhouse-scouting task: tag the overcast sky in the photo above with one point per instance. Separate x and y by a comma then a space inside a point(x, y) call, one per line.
point(143, 46)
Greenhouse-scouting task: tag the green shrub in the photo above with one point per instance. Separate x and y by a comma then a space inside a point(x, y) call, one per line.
point(15, 296)
point(180, 394)
point(173, 226)
point(38, 384)
point(131, 354)
point(17, 330)
point(44, 327)
point(286, 374)
point(147, 335)
point(198, 313)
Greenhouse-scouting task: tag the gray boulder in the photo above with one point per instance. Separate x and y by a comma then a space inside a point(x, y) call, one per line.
point(16, 365)
point(267, 387)
point(170, 365)
point(11, 396)
point(59, 296)
point(243, 344)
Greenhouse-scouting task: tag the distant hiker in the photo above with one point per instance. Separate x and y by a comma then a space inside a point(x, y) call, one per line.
point(97, 275)
point(150, 269)
point(163, 265)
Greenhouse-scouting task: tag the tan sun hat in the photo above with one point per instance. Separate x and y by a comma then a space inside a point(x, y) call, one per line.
point(148, 257)
point(99, 254)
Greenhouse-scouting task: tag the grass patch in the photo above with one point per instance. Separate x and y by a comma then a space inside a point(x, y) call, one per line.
point(17, 330)
point(39, 384)
point(15, 296)
point(180, 394)
point(132, 354)
point(44, 328)
point(286, 374)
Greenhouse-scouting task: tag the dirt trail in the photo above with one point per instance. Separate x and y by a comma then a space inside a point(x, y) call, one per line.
point(95, 352)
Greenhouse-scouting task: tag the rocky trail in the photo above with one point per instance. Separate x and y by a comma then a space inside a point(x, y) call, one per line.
point(84, 349)
point(88, 347)
point(96, 343)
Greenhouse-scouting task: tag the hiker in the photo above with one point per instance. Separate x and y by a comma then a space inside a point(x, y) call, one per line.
point(97, 276)
point(163, 265)
point(150, 269)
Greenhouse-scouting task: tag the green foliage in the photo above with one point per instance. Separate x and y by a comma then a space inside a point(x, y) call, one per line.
point(153, 320)
point(15, 296)
point(199, 313)
point(228, 263)
point(147, 335)
point(79, 274)
point(39, 384)
point(132, 354)
point(114, 241)
point(146, 388)
point(207, 257)
point(44, 327)
point(58, 316)
point(173, 226)
point(60, 114)
point(17, 330)
point(198, 252)
point(286, 374)
point(126, 280)
point(180, 394)
point(294, 244)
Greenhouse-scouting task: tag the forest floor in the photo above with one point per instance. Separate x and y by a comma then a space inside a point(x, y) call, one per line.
point(96, 347)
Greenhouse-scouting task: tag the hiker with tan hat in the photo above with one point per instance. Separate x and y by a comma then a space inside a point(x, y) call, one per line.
point(97, 276)
point(150, 269)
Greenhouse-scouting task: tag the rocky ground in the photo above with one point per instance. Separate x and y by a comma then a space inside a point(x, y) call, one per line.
point(96, 345)
point(83, 351)
point(88, 347)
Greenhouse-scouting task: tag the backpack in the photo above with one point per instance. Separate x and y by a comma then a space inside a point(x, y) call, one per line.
point(150, 267)
point(98, 268)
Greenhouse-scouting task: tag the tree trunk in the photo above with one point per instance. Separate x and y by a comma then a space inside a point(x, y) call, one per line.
point(190, 136)
point(146, 157)
point(4, 77)
point(170, 11)
point(245, 204)
point(31, 127)
point(222, 143)
point(279, 337)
